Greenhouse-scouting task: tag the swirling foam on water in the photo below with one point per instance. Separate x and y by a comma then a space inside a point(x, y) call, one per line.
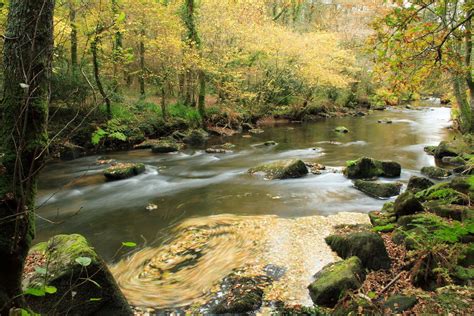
point(186, 269)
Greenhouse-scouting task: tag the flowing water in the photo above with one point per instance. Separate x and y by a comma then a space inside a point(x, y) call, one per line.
point(211, 217)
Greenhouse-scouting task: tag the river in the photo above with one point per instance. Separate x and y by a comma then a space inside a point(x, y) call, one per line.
point(230, 220)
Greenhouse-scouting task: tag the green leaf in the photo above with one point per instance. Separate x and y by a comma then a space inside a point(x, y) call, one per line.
point(95, 299)
point(129, 244)
point(50, 289)
point(372, 295)
point(121, 17)
point(34, 292)
point(84, 261)
point(98, 135)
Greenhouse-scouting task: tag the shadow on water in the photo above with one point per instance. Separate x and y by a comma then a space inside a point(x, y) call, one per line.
point(193, 184)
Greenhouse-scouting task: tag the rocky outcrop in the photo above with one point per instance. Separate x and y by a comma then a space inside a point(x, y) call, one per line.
point(378, 189)
point(366, 168)
point(122, 171)
point(282, 169)
point(336, 279)
point(77, 279)
point(366, 245)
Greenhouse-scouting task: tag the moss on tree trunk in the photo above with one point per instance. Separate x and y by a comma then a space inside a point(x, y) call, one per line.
point(24, 110)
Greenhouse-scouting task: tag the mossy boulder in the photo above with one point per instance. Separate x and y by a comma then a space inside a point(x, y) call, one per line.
point(430, 150)
point(334, 280)
point(417, 184)
point(366, 168)
point(240, 295)
point(384, 217)
point(450, 211)
point(367, 246)
point(122, 171)
point(400, 303)
point(407, 204)
point(448, 149)
point(72, 266)
point(454, 161)
point(444, 193)
point(165, 146)
point(282, 169)
point(341, 129)
point(435, 172)
point(196, 137)
point(378, 189)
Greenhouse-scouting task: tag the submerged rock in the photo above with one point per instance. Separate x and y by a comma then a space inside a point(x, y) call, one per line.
point(334, 280)
point(72, 266)
point(282, 169)
point(341, 129)
point(378, 189)
point(239, 295)
point(407, 204)
point(435, 172)
point(165, 146)
point(385, 121)
point(366, 245)
point(365, 168)
point(417, 184)
point(122, 171)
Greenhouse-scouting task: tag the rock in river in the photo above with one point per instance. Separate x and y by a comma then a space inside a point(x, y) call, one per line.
point(417, 184)
point(282, 169)
point(122, 171)
point(407, 204)
point(334, 280)
point(378, 189)
point(71, 266)
point(165, 146)
point(341, 129)
point(366, 168)
point(435, 172)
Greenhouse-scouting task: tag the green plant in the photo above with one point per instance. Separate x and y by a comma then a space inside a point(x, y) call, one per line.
point(114, 129)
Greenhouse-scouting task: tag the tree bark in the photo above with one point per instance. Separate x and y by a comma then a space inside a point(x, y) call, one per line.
point(95, 62)
point(163, 102)
point(468, 65)
point(72, 22)
point(142, 62)
point(117, 48)
point(202, 95)
point(24, 139)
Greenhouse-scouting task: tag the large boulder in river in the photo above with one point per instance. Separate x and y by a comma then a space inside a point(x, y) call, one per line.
point(417, 184)
point(164, 146)
point(336, 279)
point(196, 137)
point(447, 149)
point(435, 172)
point(79, 281)
point(366, 245)
point(407, 204)
point(122, 171)
point(365, 168)
point(282, 169)
point(378, 189)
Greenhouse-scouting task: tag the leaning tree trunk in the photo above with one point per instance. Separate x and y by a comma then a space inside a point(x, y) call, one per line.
point(24, 138)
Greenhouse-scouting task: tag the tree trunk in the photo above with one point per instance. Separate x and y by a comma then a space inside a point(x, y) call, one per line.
point(24, 139)
point(163, 102)
point(95, 62)
point(202, 95)
point(117, 48)
point(72, 22)
point(142, 63)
